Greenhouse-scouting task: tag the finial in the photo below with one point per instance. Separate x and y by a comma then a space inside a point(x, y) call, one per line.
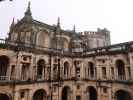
point(28, 11)
point(13, 21)
point(58, 22)
point(74, 28)
point(29, 4)
point(28, 15)
point(12, 25)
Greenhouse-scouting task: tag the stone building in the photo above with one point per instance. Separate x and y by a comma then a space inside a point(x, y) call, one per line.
point(44, 62)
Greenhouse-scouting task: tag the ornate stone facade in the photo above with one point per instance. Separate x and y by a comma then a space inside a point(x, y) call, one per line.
point(43, 62)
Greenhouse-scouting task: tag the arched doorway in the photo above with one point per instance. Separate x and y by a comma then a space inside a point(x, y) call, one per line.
point(66, 69)
point(40, 69)
point(122, 95)
point(120, 69)
point(40, 95)
point(91, 93)
point(66, 94)
point(4, 97)
point(4, 62)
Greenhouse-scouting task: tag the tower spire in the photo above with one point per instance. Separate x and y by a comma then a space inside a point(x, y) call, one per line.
point(13, 22)
point(58, 22)
point(28, 15)
point(12, 25)
point(28, 11)
point(74, 29)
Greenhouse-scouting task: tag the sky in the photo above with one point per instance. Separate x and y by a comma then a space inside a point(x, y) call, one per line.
point(86, 15)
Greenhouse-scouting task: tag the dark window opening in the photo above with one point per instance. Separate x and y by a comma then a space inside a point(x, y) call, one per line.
point(91, 93)
point(4, 61)
point(78, 97)
point(104, 90)
point(22, 94)
point(120, 69)
point(66, 94)
point(4, 97)
point(40, 69)
point(123, 95)
point(66, 69)
point(40, 95)
point(104, 72)
point(91, 70)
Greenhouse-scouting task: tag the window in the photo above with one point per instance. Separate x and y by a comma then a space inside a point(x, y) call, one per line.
point(129, 71)
point(40, 69)
point(66, 69)
point(78, 97)
point(104, 90)
point(91, 70)
point(104, 72)
point(22, 94)
point(24, 58)
point(112, 72)
point(78, 86)
point(120, 65)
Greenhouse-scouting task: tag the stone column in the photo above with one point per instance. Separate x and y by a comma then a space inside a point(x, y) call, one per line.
point(82, 71)
point(18, 68)
point(29, 95)
point(127, 72)
point(98, 93)
point(108, 75)
point(98, 72)
point(115, 73)
point(31, 71)
point(131, 68)
point(131, 65)
point(16, 95)
point(18, 74)
point(86, 96)
point(71, 95)
point(73, 73)
point(8, 73)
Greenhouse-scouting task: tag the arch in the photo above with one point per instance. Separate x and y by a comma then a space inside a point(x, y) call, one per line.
point(122, 95)
point(120, 69)
point(66, 93)
point(91, 93)
point(43, 39)
point(65, 44)
point(4, 62)
point(4, 97)
point(91, 70)
point(66, 69)
point(40, 95)
point(40, 69)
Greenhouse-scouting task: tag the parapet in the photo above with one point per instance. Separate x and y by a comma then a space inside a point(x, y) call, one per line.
point(98, 33)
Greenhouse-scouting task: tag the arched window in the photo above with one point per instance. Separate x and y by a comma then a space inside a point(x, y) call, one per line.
point(4, 62)
point(66, 69)
point(91, 93)
point(123, 95)
point(40, 95)
point(120, 69)
point(40, 69)
point(91, 70)
point(66, 93)
point(43, 39)
point(4, 97)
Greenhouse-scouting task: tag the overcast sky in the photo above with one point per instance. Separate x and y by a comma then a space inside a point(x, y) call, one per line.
point(115, 15)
